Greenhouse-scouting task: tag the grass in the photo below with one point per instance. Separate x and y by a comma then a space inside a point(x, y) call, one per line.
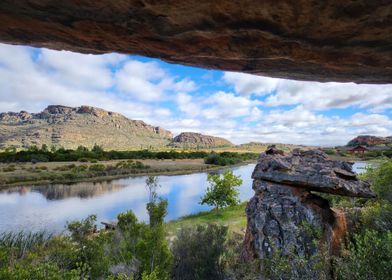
point(233, 216)
point(22, 242)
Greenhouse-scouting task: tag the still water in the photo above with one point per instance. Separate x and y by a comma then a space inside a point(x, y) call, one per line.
point(50, 207)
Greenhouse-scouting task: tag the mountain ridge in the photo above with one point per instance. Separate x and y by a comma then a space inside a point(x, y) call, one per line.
point(369, 140)
point(70, 127)
point(198, 140)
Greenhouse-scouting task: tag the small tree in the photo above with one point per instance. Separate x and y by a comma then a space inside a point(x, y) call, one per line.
point(222, 190)
point(157, 257)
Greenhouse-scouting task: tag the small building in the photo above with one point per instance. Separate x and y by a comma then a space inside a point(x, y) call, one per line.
point(358, 150)
point(110, 225)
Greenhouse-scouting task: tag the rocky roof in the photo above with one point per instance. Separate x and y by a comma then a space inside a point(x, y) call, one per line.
point(311, 170)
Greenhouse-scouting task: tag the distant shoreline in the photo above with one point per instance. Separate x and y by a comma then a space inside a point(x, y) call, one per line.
point(175, 169)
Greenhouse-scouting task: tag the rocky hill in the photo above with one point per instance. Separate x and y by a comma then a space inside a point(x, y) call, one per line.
point(369, 140)
point(197, 140)
point(70, 127)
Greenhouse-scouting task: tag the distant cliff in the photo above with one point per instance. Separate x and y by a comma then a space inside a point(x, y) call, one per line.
point(197, 140)
point(70, 127)
point(369, 140)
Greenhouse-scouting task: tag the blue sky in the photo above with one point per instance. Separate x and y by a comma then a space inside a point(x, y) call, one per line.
point(239, 107)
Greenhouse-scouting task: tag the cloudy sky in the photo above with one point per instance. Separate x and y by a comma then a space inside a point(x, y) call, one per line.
point(236, 106)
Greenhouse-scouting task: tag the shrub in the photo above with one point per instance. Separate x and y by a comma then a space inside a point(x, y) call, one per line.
point(90, 249)
point(82, 167)
point(377, 216)
point(197, 253)
point(368, 257)
point(381, 180)
point(97, 167)
point(330, 152)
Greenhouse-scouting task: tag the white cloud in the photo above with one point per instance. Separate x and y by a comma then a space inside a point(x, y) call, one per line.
point(187, 104)
point(31, 79)
point(312, 95)
point(227, 105)
point(148, 82)
point(82, 71)
point(247, 84)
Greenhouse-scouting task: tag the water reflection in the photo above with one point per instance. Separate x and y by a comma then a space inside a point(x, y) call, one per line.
point(61, 191)
point(49, 207)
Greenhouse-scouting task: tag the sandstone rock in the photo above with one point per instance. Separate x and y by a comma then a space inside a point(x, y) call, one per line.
point(346, 41)
point(284, 218)
point(311, 170)
point(70, 127)
point(369, 140)
point(285, 215)
point(195, 140)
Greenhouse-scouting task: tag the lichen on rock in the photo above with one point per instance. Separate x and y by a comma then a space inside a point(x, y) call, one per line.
point(286, 215)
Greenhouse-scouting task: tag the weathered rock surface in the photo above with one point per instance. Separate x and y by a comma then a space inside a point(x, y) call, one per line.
point(334, 40)
point(197, 140)
point(311, 170)
point(369, 140)
point(69, 127)
point(285, 215)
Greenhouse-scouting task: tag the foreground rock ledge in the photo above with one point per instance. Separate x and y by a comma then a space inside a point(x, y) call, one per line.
point(285, 215)
point(346, 41)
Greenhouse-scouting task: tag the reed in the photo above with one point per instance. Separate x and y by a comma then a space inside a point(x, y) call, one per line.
point(22, 242)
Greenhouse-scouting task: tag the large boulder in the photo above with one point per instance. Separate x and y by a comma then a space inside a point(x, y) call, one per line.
point(286, 215)
point(311, 170)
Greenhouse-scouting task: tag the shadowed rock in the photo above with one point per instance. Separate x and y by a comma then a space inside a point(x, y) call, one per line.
point(311, 170)
point(346, 41)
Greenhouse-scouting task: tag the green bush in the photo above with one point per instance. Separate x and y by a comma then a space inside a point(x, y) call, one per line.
point(83, 154)
point(381, 180)
point(90, 250)
point(97, 167)
point(367, 257)
point(197, 253)
point(377, 216)
point(330, 152)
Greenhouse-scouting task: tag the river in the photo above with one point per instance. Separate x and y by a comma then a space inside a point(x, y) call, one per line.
point(35, 208)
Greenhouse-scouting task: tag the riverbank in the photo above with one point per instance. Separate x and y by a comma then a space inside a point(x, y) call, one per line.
point(233, 217)
point(17, 174)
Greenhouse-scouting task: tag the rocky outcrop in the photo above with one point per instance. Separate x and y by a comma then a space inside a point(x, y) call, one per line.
point(311, 170)
point(369, 140)
point(346, 41)
point(286, 215)
point(70, 127)
point(197, 140)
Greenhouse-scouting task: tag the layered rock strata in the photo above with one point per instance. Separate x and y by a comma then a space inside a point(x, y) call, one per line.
point(70, 127)
point(285, 214)
point(346, 41)
point(197, 140)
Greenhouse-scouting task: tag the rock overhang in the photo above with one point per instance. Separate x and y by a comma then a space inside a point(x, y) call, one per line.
point(307, 40)
point(311, 170)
